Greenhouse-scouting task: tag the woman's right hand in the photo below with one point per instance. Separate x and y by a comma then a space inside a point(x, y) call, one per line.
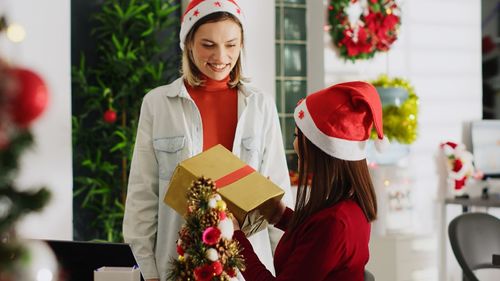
point(276, 215)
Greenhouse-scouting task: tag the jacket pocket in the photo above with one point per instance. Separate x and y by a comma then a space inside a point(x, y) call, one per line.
point(169, 154)
point(250, 151)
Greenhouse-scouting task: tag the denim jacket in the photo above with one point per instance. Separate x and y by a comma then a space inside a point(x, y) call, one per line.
point(169, 131)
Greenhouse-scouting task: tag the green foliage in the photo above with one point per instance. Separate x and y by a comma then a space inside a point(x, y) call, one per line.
point(400, 122)
point(136, 51)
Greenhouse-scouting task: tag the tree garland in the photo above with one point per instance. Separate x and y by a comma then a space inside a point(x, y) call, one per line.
point(375, 31)
point(23, 97)
point(400, 122)
point(206, 249)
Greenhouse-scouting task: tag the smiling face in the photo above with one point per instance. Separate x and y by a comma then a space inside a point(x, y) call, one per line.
point(216, 48)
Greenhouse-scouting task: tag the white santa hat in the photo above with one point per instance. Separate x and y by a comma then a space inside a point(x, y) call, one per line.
point(198, 9)
point(339, 119)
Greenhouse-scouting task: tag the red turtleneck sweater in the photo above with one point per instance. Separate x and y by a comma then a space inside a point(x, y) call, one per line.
point(218, 106)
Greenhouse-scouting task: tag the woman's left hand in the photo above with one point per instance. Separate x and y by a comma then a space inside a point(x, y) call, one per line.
point(236, 224)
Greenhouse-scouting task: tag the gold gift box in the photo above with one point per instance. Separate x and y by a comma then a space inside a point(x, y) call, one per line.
point(247, 193)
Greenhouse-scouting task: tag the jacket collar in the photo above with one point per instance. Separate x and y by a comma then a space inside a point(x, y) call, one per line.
point(178, 89)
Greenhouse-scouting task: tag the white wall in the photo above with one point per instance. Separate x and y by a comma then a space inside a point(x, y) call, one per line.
point(46, 50)
point(260, 55)
point(315, 50)
point(439, 51)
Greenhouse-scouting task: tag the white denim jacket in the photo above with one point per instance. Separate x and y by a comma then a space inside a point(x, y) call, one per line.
point(170, 130)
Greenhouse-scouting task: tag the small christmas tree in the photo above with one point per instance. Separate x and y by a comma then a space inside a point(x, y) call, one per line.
point(22, 99)
point(205, 246)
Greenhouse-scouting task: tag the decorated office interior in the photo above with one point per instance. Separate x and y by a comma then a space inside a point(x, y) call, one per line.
point(250, 140)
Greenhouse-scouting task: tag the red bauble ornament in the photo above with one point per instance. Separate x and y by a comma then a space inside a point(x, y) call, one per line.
point(217, 268)
point(109, 116)
point(30, 99)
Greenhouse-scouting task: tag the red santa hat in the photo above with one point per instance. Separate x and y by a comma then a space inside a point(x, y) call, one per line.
point(339, 119)
point(198, 9)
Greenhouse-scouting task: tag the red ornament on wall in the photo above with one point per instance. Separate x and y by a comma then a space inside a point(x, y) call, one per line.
point(109, 116)
point(30, 99)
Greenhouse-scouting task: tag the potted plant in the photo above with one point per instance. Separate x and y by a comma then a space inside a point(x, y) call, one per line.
point(400, 112)
point(135, 50)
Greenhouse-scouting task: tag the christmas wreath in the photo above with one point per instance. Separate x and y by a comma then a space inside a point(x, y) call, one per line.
point(374, 31)
point(206, 249)
point(400, 122)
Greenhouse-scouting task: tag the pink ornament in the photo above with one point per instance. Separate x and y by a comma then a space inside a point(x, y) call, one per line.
point(222, 215)
point(211, 235)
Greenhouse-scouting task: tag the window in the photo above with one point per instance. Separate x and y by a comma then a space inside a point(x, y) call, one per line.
point(291, 67)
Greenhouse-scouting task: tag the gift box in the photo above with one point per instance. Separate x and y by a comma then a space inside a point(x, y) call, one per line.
point(248, 194)
point(117, 274)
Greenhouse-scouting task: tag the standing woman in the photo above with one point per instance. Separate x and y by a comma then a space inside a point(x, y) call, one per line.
point(327, 236)
point(208, 105)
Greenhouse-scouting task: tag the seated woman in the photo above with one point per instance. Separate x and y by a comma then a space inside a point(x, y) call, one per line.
point(327, 236)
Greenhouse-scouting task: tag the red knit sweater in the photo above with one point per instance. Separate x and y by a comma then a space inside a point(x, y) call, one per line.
point(330, 245)
point(218, 106)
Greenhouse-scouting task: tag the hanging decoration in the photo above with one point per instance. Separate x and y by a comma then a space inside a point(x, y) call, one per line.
point(400, 119)
point(31, 99)
point(460, 166)
point(374, 31)
point(109, 116)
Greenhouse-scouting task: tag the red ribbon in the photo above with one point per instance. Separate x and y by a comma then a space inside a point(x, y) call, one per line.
point(234, 176)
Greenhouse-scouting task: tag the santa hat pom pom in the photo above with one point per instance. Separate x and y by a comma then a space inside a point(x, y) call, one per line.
point(381, 145)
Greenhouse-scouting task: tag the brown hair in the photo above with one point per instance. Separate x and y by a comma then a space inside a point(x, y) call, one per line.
point(189, 70)
point(333, 180)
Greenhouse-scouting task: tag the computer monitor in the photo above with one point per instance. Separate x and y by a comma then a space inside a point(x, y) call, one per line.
point(486, 146)
point(79, 259)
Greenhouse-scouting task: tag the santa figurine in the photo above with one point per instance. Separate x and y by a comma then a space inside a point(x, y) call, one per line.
point(460, 166)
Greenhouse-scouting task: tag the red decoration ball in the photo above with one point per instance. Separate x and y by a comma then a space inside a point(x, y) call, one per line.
point(180, 251)
point(231, 272)
point(217, 268)
point(31, 96)
point(109, 116)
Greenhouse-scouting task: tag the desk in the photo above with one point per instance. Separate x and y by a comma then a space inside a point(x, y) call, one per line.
point(492, 202)
point(496, 259)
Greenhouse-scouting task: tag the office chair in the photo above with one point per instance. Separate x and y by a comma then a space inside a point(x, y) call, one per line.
point(474, 238)
point(369, 276)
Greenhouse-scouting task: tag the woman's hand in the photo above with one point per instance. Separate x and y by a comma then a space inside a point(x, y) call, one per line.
point(276, 215)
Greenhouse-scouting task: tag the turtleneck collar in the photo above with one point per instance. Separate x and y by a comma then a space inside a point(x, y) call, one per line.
point(211, 85)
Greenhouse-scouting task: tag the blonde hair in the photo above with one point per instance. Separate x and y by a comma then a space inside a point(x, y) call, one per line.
point(190, 72)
